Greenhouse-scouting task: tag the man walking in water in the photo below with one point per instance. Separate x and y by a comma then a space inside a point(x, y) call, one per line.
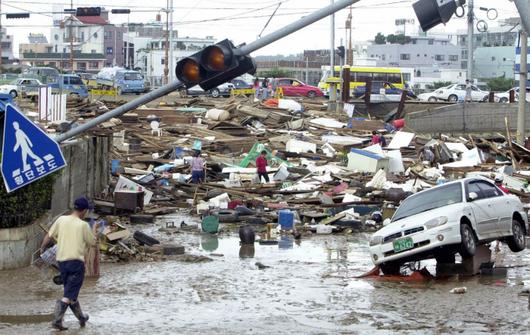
point(24, 144)
point(73, 237)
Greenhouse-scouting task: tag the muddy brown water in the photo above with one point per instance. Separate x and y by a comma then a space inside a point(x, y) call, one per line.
point(309, 289)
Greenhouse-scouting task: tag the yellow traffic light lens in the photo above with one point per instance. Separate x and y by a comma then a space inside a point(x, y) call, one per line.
point(191, 71)
point(216, 59)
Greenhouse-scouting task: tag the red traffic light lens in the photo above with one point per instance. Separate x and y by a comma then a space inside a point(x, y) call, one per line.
point(216, 59)
point(191, 71)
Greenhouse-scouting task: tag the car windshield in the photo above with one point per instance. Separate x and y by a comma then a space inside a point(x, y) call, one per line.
point(133, 76)
point(76, 81)
point(431, 199)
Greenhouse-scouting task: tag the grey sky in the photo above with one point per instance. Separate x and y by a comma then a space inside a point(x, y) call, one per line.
point(242, 20)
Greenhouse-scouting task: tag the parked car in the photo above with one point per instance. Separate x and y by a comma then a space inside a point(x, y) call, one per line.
point(294, 87)
point(504, 97)
point(20, 86)
point(222, 90)
point(457, 92)
point(432, 96)
point(377, 86)
point(450, 218)
point(240, 84)
point(72, 85)
point(122, 80)
point(44, 74)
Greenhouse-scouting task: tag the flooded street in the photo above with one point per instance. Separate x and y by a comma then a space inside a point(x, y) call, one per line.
point(308, 288)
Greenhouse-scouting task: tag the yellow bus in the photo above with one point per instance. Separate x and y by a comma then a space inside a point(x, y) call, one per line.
point(359, 75)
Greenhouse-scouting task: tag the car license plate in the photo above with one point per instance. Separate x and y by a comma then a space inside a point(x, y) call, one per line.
point(403, 244)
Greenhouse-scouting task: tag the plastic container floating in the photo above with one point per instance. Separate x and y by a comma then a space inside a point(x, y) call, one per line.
point(210, 224)
point(286, 219)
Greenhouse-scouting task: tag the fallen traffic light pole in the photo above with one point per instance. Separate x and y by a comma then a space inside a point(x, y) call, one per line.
point(213, 65)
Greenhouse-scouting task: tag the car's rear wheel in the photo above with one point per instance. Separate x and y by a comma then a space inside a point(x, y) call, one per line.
point(13, 93)
point(468, 245)
point(390, 268)
point(311, 94)
point(215, 93)
point(453, 98)
point(432, 99)
point(516, 242)
point(503, 100)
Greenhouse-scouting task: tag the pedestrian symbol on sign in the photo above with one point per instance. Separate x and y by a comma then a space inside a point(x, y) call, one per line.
point(28, 152)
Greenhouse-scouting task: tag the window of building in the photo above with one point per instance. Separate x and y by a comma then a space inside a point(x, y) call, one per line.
point(93, 51)
point(464, 54)
point(110, 51)
point(162, 61)
point(108, 34)
point(93, 65)
point(425, 55)
point(404, 56)
point(81, 65)
point(453, 58)
point(418, 55)
point(439, 58)
point(65, 64)
point(55, 49)
point(51, 64)
point(383, 57)
point(418, 73)
point(56, 37)
point(82, 36)
point(463, 64)
point(108, 64)
point(64, 50)
point(49, 49)
point(431, 42)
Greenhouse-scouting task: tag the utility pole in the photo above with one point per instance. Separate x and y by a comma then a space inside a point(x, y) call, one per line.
point(523, 73)
point(171, 46)
point(470, 31)
point(332, 45)
point(349, 57)
point(166, 47)
point(523, 6)
point(71, 32)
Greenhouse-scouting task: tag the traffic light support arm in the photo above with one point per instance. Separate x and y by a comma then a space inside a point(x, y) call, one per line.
point(243, 50)
point(295, 26)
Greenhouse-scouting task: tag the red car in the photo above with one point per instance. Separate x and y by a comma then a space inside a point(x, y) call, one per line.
point(294, 87)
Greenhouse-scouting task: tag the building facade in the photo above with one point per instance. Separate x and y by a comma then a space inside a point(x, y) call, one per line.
point(7, 46)
point(422, 51)
point(83, 62)
point(37, 43)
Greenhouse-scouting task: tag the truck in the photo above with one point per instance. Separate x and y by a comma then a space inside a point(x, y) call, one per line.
point(120, 79)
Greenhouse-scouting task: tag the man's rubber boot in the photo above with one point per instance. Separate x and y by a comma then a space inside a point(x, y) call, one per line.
point(76, 308)
point(58, 314)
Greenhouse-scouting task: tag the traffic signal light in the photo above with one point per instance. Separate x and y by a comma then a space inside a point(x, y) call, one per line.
point(341, 51)
point(431, 13)
point(213, 66)
point(17, 15)
point(88, 11)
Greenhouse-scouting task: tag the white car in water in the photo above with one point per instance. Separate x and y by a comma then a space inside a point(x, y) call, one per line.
point(504, 97)
point(450, 218)
point(457, 92)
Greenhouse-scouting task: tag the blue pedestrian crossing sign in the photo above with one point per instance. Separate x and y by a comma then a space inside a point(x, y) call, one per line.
point(28, 153)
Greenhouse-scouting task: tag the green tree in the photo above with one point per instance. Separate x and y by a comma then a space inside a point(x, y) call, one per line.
point(380, 39)
point(275, 73)
point(500, 84)
point(391, 38)
point(402, 39)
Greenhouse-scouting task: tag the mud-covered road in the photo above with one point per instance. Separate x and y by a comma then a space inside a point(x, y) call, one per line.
point(309, 288)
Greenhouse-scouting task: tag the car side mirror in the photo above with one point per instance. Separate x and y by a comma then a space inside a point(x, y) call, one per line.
point(387, 221)
point(472, 196)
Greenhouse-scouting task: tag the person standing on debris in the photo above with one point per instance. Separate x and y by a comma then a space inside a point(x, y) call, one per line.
point(498, 183)
point(73, 237)
point(261, 164)
point(197, 168)
point(375, 138)
point(256, 88)
point(265, 88)
point(468, 91)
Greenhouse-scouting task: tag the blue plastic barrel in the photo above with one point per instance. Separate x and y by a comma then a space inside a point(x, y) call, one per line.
point(114, 165)
point(286, 219)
